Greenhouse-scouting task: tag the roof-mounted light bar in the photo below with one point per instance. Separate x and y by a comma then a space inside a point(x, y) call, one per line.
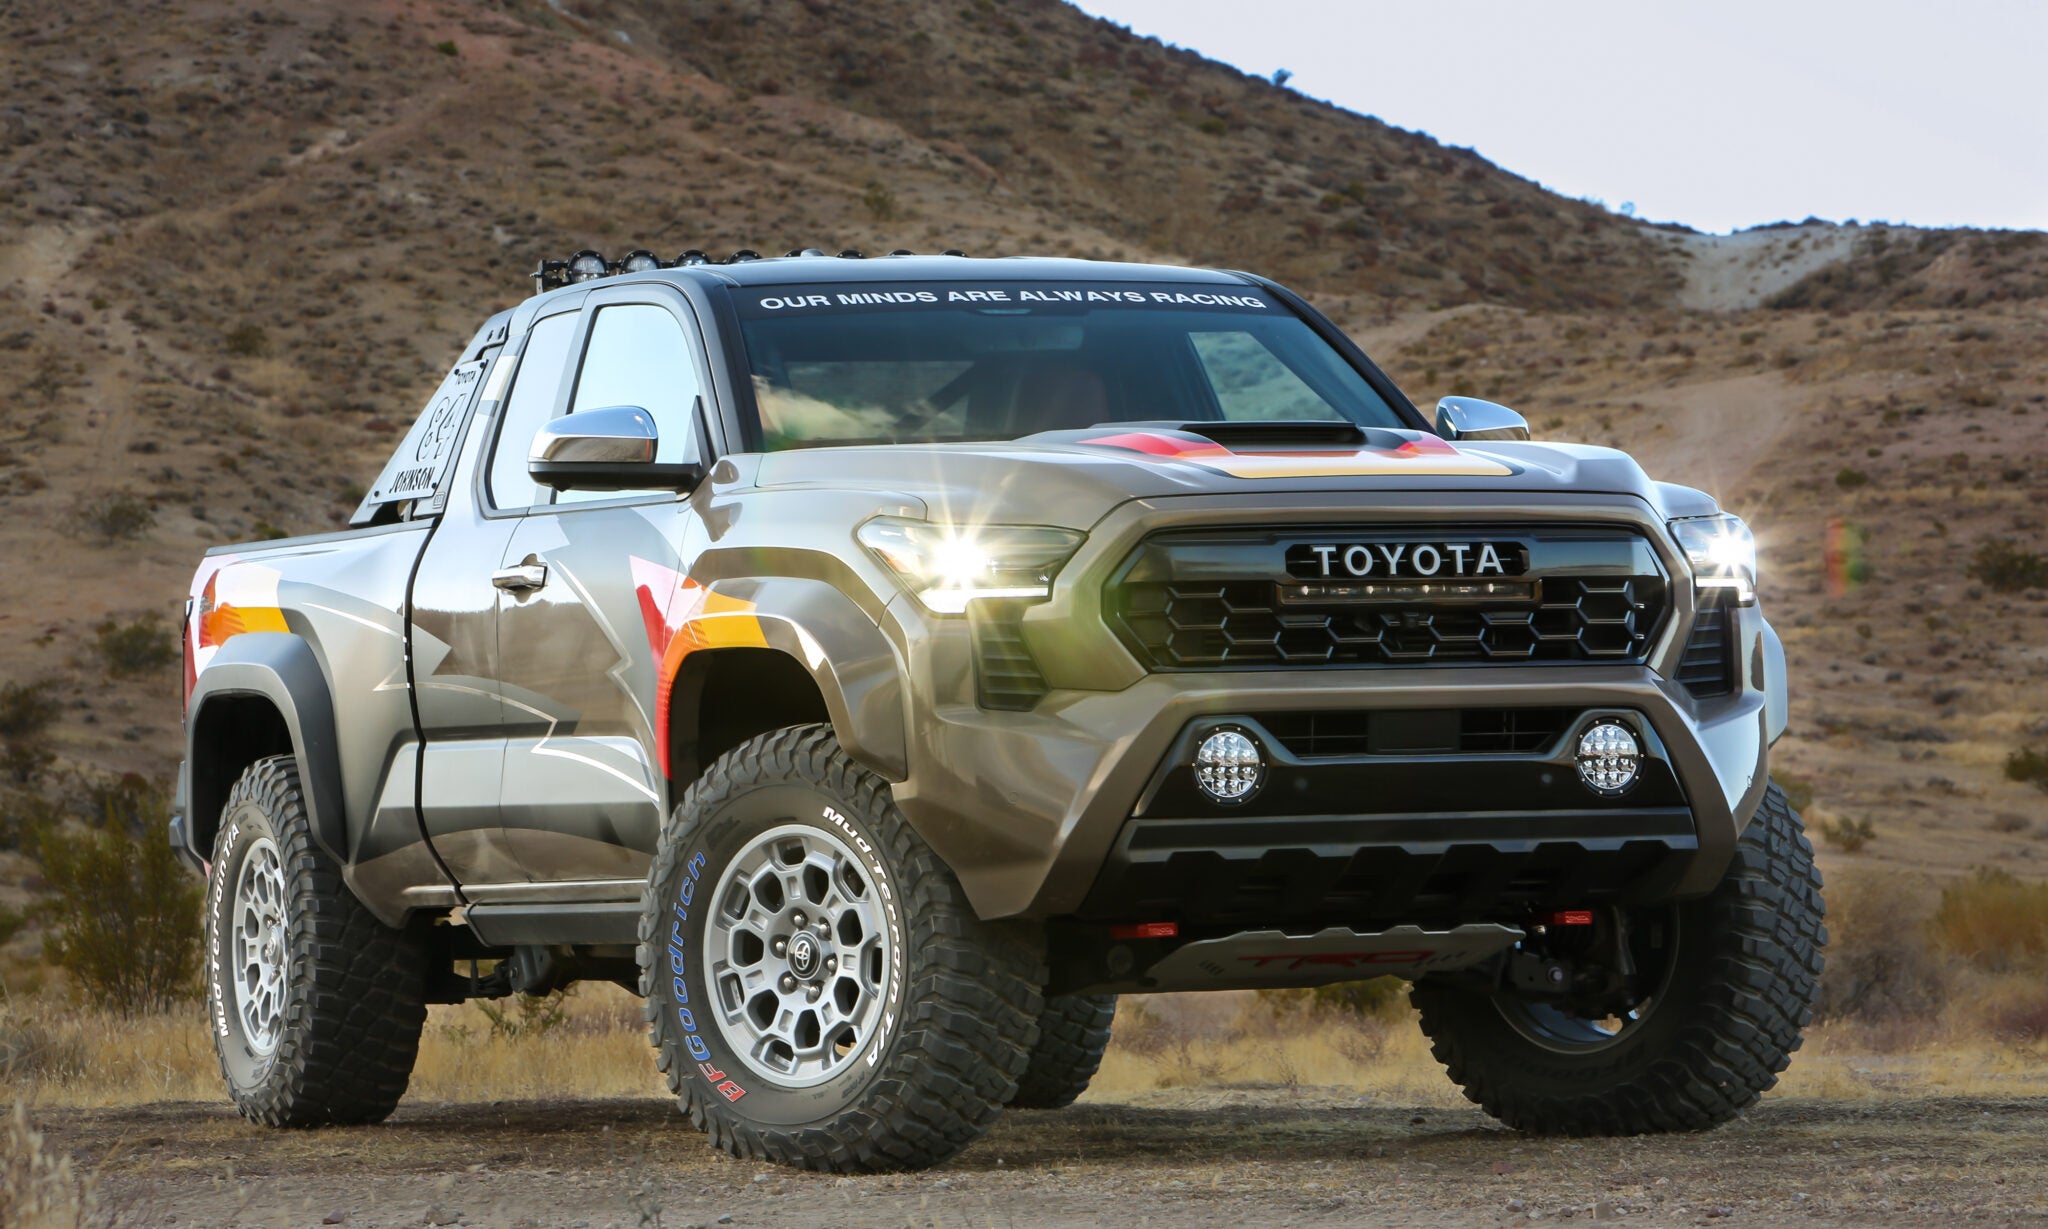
point(589, 264)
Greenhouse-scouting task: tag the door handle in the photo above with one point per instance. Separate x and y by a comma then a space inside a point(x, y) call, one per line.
point(521, 579)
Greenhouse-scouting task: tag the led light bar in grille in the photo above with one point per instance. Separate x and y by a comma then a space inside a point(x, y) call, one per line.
point(1412, 590)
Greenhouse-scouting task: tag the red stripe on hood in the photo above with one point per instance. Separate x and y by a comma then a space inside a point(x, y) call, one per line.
point(1159, 444)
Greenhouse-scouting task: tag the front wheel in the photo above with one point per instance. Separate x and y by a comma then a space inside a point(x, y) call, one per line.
point(1718, 993)
point(819, 992)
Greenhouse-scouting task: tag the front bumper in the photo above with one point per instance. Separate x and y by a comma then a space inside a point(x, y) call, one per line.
point(1032, 809)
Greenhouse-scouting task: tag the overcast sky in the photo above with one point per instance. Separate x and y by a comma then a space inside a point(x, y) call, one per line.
point(1718, 115)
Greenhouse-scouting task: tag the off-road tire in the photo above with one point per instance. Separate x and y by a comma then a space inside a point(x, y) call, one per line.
point(1073, 1031)
point(355, 990)
point(1750, 956)
point(957, 1035)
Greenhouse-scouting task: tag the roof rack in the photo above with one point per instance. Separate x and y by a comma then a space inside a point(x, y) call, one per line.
point(589, 264)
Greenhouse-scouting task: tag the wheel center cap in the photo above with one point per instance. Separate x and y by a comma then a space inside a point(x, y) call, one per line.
point(804, 956)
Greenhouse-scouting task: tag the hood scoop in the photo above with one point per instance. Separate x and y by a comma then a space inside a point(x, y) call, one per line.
point(1253, 435)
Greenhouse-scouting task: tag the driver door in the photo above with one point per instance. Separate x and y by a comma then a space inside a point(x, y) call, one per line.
point(583, 791)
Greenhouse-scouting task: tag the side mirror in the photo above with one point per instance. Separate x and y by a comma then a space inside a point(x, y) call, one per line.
point(1469, 418)
point(608, 449)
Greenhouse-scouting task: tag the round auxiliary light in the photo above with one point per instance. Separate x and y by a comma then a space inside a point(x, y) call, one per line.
point(1610, 757)
point(694, 256)
point(587, 266)
point(1228, 765)
point(639, 260)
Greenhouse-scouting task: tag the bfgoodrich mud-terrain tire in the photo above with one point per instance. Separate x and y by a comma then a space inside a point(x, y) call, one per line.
point(315, 1006)
point(818, 990)
point(1073, 1031)
point(1740, 987)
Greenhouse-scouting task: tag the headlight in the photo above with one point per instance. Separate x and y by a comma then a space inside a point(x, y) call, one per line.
point(947, 566)
point(1722, 553)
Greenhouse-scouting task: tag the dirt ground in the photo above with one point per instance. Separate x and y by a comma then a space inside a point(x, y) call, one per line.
point(1244, 1155)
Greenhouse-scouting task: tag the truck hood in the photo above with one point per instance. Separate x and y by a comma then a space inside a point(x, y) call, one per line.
point(1073, 478)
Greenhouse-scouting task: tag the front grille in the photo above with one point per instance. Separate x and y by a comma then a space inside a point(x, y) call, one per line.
point(1707, 668)
point(1197, 626)
point(1006, 677)
point(1472, 731)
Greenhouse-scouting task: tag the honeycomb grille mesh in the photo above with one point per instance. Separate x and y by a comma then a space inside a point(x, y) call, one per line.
point(1176, 625)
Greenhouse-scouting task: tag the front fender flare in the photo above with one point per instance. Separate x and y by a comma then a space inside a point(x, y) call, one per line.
point(281, 669)
point(856, 668)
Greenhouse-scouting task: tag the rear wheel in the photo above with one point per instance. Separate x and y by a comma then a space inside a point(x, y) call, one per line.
point(819, 992)
point(1716, 995)
point(1073, 1032)
point(315, 1006)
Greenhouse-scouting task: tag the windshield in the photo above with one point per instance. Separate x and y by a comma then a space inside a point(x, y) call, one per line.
point(921, 362)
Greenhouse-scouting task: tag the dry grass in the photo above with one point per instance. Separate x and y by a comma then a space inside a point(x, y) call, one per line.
point(1930, 990)
point(1184, 1041)
point(38, 1190)
point(1993, 920)
point(1171, 1042)
point(88, 1058)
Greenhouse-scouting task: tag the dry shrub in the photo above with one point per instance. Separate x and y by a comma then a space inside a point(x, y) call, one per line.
point(1380, 998)
point(32, 1051)
point(2029, 766)
point(1847, 834)
point(123, 911)
point(141, 646)
point(2018, 1013)
point(2005, 566)
point(1994, 921)
point(119, 517)
point(37, 1188)
point(1880, 968)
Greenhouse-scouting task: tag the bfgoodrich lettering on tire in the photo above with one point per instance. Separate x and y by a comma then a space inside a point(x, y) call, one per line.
point(314, 1005)
point(1719, 1019)
point(818, 991)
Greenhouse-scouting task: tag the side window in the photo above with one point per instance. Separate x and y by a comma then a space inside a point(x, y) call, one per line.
point(639, 355)
point(530, 405)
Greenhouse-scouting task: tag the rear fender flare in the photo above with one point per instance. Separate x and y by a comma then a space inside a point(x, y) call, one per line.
point(280, 668)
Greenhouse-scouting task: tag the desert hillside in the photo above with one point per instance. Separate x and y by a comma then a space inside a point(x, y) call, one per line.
point(239, 243)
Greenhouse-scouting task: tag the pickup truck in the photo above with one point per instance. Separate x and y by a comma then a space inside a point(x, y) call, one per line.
point(879, 665)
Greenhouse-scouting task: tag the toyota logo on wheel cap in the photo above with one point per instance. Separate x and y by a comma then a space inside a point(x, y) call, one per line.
point(803, 955)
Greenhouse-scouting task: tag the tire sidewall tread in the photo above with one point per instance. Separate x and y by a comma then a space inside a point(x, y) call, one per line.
point(1755, 966)
point(958, 1040)
point(355, 1001)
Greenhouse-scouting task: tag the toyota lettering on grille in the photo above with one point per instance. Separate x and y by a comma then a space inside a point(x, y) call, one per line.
point(1405, 560)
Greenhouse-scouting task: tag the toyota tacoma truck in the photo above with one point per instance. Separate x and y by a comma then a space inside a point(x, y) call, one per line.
point(879, 665)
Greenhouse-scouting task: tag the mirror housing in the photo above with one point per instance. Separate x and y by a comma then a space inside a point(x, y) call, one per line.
point(607, 449)
point(1469, 418)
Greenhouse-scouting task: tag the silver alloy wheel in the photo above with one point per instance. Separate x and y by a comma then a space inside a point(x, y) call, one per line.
point(798, 955)
point(262, 954)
